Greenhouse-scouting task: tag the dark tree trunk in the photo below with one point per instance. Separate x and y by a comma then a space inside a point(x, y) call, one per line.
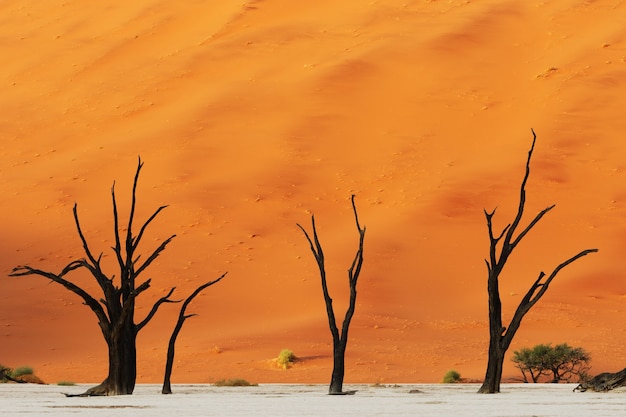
point(340, 340)
point(493, 375)
point(171, 347)
point(115, 308)
point(501, 247)
point(122, 367)
point(123, 362)
point(339, 367)
point(491, 383)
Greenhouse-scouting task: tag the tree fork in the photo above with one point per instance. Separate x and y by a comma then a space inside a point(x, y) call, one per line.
point(500, 337)
point(340, 340)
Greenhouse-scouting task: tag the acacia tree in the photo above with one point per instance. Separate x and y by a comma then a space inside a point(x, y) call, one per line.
point(115, 308)
point(528, 362)
point(567, 362)
point(340, 340)
point(501, 246)
point(562, 361)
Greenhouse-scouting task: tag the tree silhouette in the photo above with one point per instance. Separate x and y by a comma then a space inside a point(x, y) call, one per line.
point(501, 247)
point(115, 308)
point(340, 340)
point(171, 347)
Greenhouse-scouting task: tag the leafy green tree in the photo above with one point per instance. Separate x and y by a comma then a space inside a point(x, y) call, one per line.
point(529, 362)
point(562, 362)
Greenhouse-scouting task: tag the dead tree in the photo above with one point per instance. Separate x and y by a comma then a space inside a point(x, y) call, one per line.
point(340, 340)
point(167, 386)
point(115, 308)
point(500, 337)
point(5, 375)
point(604, 382)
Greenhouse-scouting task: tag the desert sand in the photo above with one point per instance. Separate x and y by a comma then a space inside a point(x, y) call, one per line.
point(251, 116)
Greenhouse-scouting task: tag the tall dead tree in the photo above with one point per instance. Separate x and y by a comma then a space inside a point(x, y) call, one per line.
point(115, 308)
point(340, 340)
point(500, 248)
point(171, 348)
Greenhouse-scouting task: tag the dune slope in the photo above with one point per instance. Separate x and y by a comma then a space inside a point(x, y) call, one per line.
point(252, 116)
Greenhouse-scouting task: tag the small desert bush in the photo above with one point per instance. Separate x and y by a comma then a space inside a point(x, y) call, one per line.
point(451, 377)
point(285, 358)
point(66, 383)
point(21, 371)
point(233, 382)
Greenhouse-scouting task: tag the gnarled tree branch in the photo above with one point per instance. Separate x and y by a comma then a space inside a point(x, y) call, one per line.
point(155, 308)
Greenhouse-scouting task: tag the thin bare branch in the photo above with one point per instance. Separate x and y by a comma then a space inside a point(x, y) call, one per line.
point(117, 249)
point(522, 197)
point(155, 308)
point(353, 277)
point(133, 204)
point(82, 238)
point(199, 290)
point(87, 299)
point(534, 294)
point(308, 238)
point(318, 253)
point(355, 268)
point(356, 215)
point(145, 225)
point(555, 272)
point(154, 255)
point(530, 226)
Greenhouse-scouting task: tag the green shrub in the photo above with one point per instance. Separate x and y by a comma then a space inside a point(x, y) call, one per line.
point(451, 377)
point(285, 358)
point(233, 382)
point(21, 371)
point(66, 383)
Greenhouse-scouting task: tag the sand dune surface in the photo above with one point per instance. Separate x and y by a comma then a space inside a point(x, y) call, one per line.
point(252, 116)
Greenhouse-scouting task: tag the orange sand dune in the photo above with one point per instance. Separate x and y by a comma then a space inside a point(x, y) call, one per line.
point(251, 116)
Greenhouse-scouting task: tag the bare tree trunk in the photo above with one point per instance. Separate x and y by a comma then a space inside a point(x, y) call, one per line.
point(493, 376)
point(500, 337)
point(115, 308)
point(340, 340)
point(123, 361)
point(339, 367)
point(171, 348)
